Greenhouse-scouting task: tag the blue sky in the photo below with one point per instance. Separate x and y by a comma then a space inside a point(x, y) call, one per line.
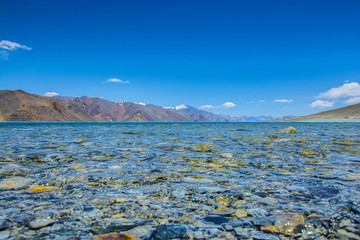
point(233, 57)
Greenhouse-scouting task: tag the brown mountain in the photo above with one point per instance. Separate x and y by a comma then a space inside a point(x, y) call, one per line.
point(344, 114)
point(108, 111)
point(19, 106)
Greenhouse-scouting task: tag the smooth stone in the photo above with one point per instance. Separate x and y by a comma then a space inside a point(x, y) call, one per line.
point(22, 219)
point(265, 237)
point(3, 224)
point(263, 221)
point(216, 219)
point(229, 236)
point(212, 189)
point(223, 211)
point(4, 234)
point(294, 188)
point(170, 231)
point(289, 130)
point(241, 233)
point(344, 223)
point(197, 180)
point(40, 223)
point(15, 183)
point(139, 232)
point(257, 212)
point(241, 213)
point(342, 234)
point(179, 194)
point(324, 192)
point(115, 236)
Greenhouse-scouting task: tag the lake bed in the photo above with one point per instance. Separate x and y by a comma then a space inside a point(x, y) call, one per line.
point(180, 180)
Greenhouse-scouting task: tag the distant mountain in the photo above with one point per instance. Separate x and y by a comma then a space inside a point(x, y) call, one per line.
point(108, 111)
point(20, 106)
point(212, 117)
point(344, 114)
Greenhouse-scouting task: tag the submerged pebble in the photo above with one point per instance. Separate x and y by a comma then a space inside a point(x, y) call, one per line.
point(179, 181)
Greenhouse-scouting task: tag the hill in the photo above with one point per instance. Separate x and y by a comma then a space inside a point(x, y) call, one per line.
point(344, 114)
point(19, 106)
point(108, 111)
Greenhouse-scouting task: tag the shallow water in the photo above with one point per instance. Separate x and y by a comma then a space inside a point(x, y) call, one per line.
point(105, 177)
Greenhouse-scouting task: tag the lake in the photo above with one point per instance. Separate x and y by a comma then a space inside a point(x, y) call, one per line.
point(180, 180)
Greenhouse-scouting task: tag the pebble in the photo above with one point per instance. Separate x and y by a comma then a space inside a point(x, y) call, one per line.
point(241, 213)
point(342, 234)
point(3, 224)
point(139, 232)
point(257, 212)
point(238, 185)
point(40, 223)
point(15, 183)
point(114, 236)
point(169, 231)
point(288, 130)
point(4, 234)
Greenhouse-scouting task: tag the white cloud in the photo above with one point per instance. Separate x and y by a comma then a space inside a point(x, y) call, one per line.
point(11, 46)
point(321, 104)
point(51, 94)
point(353, 100)
point(116, 80)
point(283, 100)
point(207, 106)
point(229, 105)
point(351, 89)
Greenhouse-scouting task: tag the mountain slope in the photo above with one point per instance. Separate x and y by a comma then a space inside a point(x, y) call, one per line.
point(344, 114)
point(24, 107)
point(108, 111)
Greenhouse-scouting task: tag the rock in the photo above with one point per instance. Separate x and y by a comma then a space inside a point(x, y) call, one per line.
point(170, 231)
point(241, 233)
point(342, 234)
point(3, 224)
point(295, 188)
point(198, 180)
point(40, 223)
point(226, 155)
point(216, 219)
point(223, 211)
point(229, 236)
point(40, 189)
point(15, 183)
point(257, 212)
point(265, 237)
point(139, 232)
point(4, 234)
point(263, 221)
point(179, 194)
point(22, 219)
point(241, 213)
point(344, 223)
point(114, 236)
point(285, 223)
point(289, 130)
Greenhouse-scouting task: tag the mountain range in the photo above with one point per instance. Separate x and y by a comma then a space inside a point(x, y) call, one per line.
point(20, 106)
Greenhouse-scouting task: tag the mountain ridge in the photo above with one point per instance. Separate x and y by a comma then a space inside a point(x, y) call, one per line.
point(20, 106)
point(344, 114)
